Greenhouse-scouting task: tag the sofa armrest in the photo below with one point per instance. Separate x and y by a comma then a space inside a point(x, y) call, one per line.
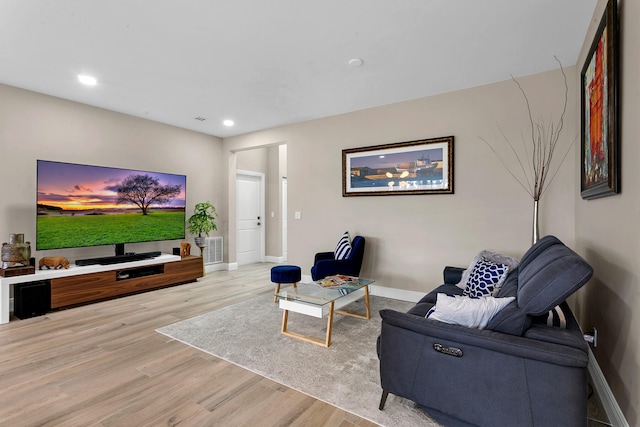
point(535, 349)
point(452, 275)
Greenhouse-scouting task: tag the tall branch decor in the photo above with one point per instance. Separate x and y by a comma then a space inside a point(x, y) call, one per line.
point(535, 164)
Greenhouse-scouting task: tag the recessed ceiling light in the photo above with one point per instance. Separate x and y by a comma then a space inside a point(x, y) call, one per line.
point(228, 122)
point(355, 62)
point(87, 80)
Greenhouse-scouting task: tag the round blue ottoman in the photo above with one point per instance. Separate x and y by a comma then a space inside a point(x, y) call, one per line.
point(283, 274)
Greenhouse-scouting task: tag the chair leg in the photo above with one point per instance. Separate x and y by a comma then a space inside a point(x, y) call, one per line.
point(383, 399)
point(275, 298)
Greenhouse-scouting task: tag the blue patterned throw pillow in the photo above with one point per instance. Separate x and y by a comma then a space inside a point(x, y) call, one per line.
point(484, 277)
point(343, 248)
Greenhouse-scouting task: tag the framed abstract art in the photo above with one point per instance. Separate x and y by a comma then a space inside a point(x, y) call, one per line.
point(599, 129)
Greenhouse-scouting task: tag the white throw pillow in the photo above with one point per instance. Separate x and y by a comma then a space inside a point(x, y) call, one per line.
point(343, 248)
point(465, 311)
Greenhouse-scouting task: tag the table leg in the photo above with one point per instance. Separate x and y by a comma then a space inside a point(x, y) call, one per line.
point(285, 317)
point(329, 325)
point(367, 314)
point(275, 294)
point(327, 340)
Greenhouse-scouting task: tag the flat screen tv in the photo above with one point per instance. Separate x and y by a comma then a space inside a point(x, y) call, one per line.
point(84, 205)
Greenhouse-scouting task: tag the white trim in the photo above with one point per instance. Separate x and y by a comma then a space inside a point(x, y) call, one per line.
point(399, 294)
point(274, 259)
point(220, 266)
point(608, 400)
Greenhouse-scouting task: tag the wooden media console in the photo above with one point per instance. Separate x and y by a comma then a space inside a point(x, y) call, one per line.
point(86, 284)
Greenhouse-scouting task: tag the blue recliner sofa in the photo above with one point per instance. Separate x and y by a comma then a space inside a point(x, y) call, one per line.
point(325, 264)
point(518, 371)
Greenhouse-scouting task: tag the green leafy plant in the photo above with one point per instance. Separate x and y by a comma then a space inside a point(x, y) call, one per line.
point(203, 219)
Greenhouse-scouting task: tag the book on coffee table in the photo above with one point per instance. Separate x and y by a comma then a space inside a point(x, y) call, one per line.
point(334, 281)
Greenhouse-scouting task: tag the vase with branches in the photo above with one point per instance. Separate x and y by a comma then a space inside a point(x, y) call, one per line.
point(536, 162)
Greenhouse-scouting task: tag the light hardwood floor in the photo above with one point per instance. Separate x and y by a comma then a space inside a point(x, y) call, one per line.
point(104, 365)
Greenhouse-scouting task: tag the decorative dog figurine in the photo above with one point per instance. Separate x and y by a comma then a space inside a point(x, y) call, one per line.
point(54, 262)
point(185, 249)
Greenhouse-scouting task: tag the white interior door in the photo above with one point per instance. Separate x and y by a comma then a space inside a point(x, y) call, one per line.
point(284, 219)
point(249, 217)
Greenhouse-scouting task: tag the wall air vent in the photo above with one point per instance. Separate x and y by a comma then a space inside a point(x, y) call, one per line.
point(212, 250)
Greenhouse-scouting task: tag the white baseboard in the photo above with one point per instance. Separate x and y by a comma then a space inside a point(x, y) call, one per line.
point(399, 294)
point(608, 400)
point(220, 266)
point(274, 259)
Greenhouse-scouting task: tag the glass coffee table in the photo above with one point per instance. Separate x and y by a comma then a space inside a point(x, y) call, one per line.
point(313, 299)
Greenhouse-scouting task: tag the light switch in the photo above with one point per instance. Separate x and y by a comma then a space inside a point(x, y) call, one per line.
point(273, 214)
point(297, 214)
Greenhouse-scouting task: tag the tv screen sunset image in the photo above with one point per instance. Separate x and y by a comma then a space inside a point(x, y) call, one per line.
point(83, 205)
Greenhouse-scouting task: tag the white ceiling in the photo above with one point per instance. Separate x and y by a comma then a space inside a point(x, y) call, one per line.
point(269, 63)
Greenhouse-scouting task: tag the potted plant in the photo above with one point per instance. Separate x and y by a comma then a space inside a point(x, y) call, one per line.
point(202, 222)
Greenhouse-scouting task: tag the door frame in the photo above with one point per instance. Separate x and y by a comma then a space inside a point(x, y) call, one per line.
point(261, 178)
point(285, 219)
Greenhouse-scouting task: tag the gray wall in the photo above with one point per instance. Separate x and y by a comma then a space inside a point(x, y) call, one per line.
point(35, 126)
point(608, 234)
point(410, 238)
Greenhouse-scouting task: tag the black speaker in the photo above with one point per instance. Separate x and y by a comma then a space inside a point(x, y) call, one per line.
point(31, 299)
point(176, 251)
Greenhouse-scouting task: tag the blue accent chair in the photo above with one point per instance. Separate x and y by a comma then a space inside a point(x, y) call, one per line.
point(325, 263)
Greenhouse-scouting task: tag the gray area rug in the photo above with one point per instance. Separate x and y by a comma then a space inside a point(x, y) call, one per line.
point(345, 375)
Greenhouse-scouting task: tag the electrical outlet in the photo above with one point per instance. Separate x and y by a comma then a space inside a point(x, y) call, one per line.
point(592, 338)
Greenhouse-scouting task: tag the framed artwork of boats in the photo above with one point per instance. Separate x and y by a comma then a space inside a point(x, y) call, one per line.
point(413, 167)
point(599, 124)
